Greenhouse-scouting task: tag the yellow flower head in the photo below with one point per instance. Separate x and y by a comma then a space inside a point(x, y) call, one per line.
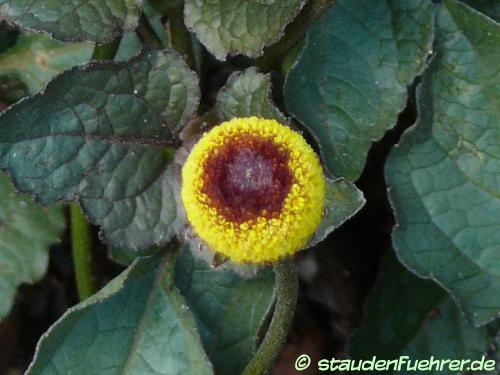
point(253, 190)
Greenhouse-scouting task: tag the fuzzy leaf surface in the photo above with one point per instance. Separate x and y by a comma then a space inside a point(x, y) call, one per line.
point(408, 316)
point(342, 201)
point(246, 94)
point(137, 324)
point(351, 80)
point(231, 27)
point(444, 177)
point(230, 310)
point(100, 134)
point(74, 20)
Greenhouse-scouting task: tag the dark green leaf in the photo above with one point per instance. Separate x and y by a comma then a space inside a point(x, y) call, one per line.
point(36, 59)
point(408, 316)
point(444, 175)
point(230, 310)
point(351, 80)
point(99, 133)
point(26, 231)
point(74, 20)
point(138, 324)
point(239, 26)
point(342, 201)
point(247, 94)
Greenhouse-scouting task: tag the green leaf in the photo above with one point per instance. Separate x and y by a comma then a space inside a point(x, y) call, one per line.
point(230, 310)
point(36, 59)
point(138, 324)
point(351, 81)
point(443, 177)
point(408, 316)
point(246, 94)
point(99, 133)
point(489, 7)
point(26, 231)
point(342, 201)
point(239, 26)
point(74, 20)
point(130, 46)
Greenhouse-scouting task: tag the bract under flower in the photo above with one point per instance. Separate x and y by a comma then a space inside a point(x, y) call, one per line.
point(253, 190)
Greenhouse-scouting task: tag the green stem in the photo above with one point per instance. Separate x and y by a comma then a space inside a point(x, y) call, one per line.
point(106, 51)
point(147, 34)
point(81, 244)
point(294, 32)
point(286, 301)
point(178, 35)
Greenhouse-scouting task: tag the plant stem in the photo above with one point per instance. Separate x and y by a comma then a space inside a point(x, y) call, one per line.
point(286, 301)
point(178, 35)
point(81, 244)
point(313, 10)
point(147, 34)
point(106, 51)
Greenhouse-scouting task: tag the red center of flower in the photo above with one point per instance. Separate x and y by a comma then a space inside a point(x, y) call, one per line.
point(247, 177)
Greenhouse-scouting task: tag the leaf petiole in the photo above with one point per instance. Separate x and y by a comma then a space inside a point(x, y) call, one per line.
point(81, 245)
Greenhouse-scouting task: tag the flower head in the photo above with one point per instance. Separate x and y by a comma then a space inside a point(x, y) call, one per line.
point(253, 190)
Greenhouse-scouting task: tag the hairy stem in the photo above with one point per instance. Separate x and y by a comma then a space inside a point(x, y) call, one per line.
point(294, 32)
point(286, 301)
point(81, 245)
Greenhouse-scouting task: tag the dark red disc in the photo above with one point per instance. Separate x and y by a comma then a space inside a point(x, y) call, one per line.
point(247, 177)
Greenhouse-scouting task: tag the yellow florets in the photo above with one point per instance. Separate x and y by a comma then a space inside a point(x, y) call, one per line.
point(278, 229)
